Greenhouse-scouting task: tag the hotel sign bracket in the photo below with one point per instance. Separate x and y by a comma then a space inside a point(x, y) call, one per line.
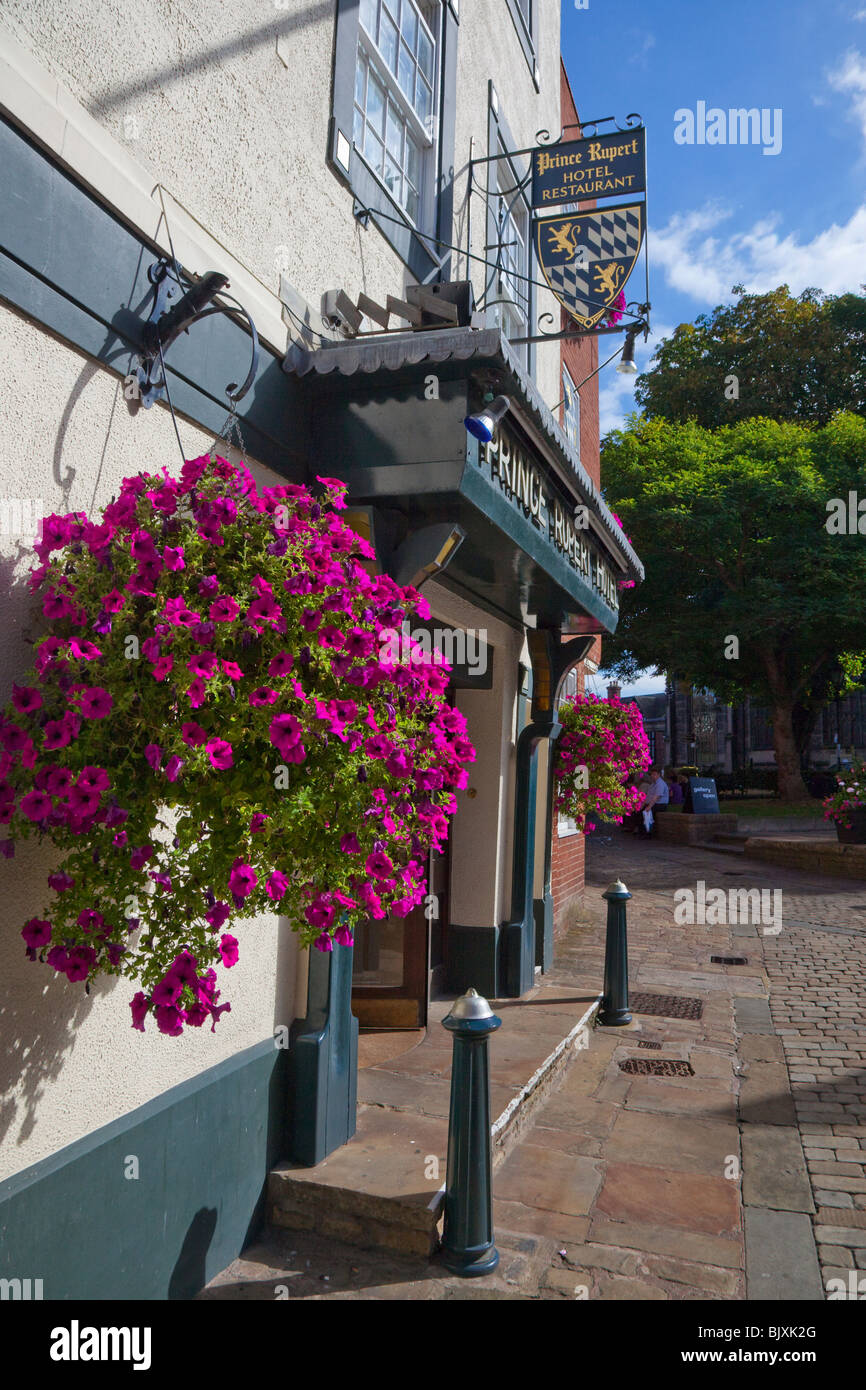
point(585, 257)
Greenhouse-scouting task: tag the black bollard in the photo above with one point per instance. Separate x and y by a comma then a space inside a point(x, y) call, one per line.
point(614, 1005)
point(467, 1242)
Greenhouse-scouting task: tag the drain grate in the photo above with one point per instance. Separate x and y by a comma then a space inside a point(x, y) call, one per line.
point(652, 1066)
point(667, 1005)
point(729, 960)
point(646, 1043)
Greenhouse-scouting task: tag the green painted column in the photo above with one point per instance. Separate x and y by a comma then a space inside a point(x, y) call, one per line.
point(614, 1008)
point(467, 1242)
point(518, 934)
point(323, 1061)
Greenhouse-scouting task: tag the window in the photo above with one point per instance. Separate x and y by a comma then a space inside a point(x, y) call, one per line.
point(394, 124)
point(513, 292)
point(525, 19)
point(571, 411)
point(391, 136)
point(565, 825)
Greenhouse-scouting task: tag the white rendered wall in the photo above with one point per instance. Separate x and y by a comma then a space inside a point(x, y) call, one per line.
point(71, 1062)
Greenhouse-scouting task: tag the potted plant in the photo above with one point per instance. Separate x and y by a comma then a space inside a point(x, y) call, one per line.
point(599, 758)
point(216, 726)
point(847, 805)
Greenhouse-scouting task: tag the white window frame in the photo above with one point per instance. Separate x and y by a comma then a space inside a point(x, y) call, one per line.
point(513, 305)
point(430, 14)
point(565, 825)
point(571, 410)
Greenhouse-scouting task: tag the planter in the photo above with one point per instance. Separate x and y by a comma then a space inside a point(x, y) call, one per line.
point(856, 835)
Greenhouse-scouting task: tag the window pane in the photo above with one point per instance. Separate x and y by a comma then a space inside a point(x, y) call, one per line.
point(376, 105)
point(374, 151)
point(425, 54)
point(410, 25)
point(412, 204)
point(394, 135)
point(358, 131)
point(368, 16)
point(413, 161)
point(424, 102)
point(406, 74)
point(360, 74)
point(388, 42)
point(393, 180)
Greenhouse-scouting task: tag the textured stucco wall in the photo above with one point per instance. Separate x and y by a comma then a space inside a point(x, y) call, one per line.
point(226, 105)
point(71, 1062)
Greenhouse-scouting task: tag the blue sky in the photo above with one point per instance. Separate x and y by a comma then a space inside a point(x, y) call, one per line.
point(719, 214)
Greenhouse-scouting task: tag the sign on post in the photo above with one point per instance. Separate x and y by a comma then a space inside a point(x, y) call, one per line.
point(701, 797)
point(606, 166)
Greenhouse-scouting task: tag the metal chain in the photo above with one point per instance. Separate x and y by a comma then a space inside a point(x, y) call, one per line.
point(230, 426)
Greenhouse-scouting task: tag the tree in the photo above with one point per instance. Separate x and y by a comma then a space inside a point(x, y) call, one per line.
point(788, 358)
point(732, 526)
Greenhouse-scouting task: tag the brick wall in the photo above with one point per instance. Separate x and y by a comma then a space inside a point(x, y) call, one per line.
point(580, 356)
point(567, 864)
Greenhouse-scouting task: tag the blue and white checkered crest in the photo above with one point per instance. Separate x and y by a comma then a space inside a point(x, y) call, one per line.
point(587, 257)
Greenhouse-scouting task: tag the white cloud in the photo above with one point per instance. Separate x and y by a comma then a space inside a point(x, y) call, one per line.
point(850, 77)
point(705, 266)
point(859, 14)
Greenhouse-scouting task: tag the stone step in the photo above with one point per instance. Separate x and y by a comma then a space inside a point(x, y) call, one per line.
point(718, 847)
point(385, 1188)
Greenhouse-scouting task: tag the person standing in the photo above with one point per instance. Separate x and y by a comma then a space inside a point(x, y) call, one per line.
point(658, 797)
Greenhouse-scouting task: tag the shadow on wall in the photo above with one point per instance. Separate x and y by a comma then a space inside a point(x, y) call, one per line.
point(40, 1012)
point(190, 1272)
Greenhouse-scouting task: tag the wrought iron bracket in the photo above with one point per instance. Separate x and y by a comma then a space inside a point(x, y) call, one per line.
point(178, 303)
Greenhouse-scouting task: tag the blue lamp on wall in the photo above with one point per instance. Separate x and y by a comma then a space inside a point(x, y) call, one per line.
point(483, 425)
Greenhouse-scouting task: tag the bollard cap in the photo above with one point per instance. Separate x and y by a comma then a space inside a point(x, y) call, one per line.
point(617, 889)
point(471, 1005)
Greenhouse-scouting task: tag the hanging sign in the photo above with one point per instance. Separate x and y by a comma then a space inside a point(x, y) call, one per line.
point(587, 257)
point(611, 166)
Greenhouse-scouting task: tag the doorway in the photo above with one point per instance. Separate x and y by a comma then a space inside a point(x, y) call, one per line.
point(393, 958)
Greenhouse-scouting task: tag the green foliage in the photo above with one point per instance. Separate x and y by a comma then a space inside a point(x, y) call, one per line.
point(730, 525)
point(797, 358)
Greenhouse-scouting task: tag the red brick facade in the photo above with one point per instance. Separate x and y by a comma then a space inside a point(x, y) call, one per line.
point(580, 358)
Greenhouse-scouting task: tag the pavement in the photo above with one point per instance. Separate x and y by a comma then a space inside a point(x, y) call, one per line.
point(740, 1173)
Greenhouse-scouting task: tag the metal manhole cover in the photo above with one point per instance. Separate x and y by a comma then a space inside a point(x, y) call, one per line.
point(667, 1005)
point(729, 960)
point(653, 1066)
point(646, 1043)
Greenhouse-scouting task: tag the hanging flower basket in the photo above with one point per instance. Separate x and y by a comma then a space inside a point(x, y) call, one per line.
point(216, 726)
point(600, 753)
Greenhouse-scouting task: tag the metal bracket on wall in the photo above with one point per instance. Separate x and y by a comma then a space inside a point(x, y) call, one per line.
point(178, 303)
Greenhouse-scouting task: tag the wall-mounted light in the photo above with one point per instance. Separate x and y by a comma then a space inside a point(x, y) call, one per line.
point(627, 364)
point(483, 425)
point(425, 553)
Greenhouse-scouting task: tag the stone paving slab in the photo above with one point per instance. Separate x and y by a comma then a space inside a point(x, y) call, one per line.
point(781, 1260)
point(744, 1180)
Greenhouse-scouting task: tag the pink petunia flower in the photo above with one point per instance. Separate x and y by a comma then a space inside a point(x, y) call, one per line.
point(276, 885)
point(228, 950)
point(95, 703)
point(242, 879)
point(193, 734)
point(223, 610)
point(220, 753)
